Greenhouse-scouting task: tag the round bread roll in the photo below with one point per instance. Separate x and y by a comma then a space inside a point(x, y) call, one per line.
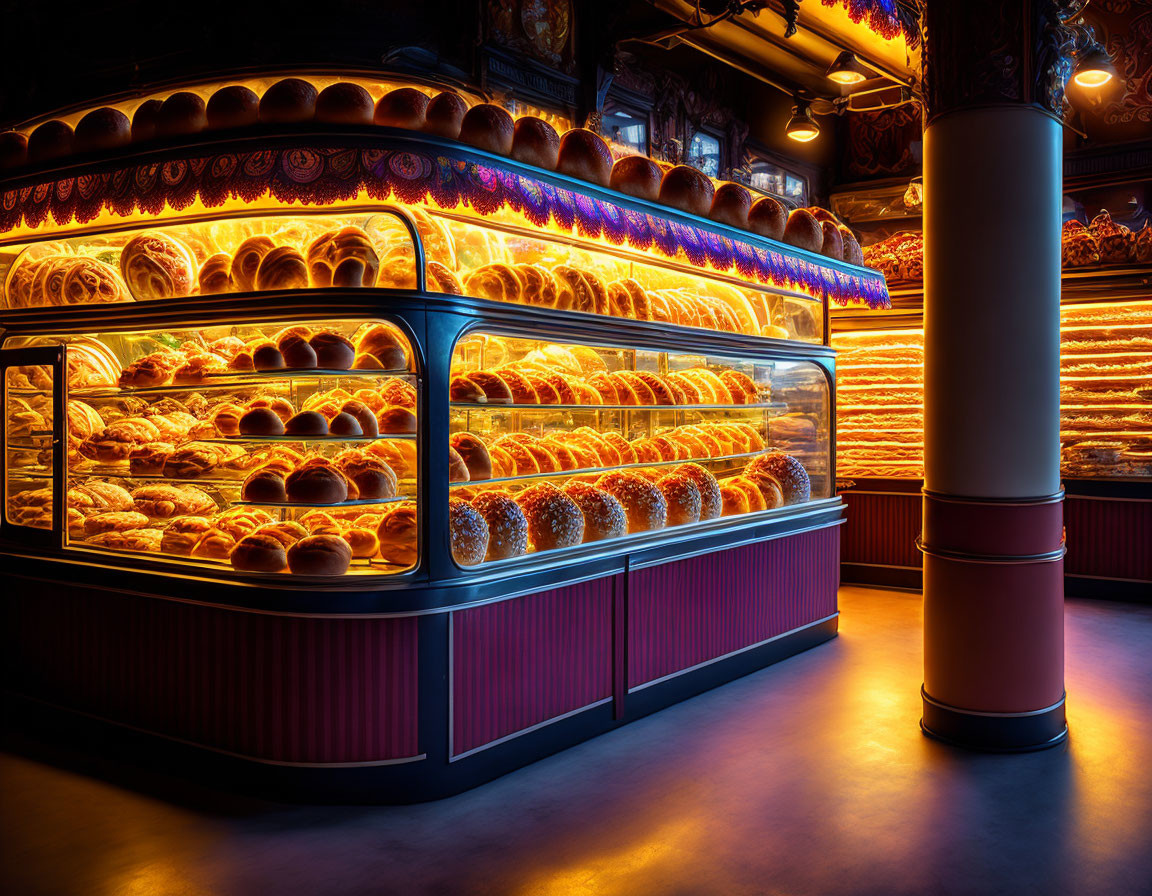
point(52, 140)
point(731, 204)
point(402, 108)
point(288, 102)
point(833, 246)
point(711, 504)
point(853, 254)
point(636, 176)
point(372, 476)
point(584, 154)
point(182, 113)
point(156, 266)
point(535, 142)
point(246, 261)
point(385, 344)
point(144, 120)
point(687, 189)
point(769, 489)
point(554, 519)
point(261, 422)
point(803, 230)
point(182, 533)
point(267, 357)
point(259, 552)
point(682, 497)
point(333, 351)
point(488, 127)
point(474, 455)
point(282, 268)
point(445, 115)
point(768, 217)
point(398, 535)
point(287, 532)
point(232, 107)
point(495, 390)
point(457, 469)
point(345, 425)
point(604, 515)
point(463, 389)
point(13, 150)
point(507, 525)
point(467, 533)
point(215, 275)
point(733, 500)
point(643, 502)
point(396, 421)
point(361, 540)
point(103, 129)
point(316, 484)
point(307, 423)
point(364, 416)
point(320, 555)
point(343, 257)
point(789, 473)
point(298, 353)
point(344, 103)
point(264, 487)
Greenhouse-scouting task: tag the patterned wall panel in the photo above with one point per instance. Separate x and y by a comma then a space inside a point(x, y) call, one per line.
point(520, 662)
point(273, 687)
point(686, 612)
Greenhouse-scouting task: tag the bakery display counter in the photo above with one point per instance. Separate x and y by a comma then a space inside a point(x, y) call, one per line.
point(370, 463)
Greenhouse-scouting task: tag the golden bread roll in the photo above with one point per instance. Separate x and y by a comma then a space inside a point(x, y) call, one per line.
point(372, 476)
point(396, 421)
point(682, 497)
point(804, 231)
point(833, 246)
point(287, 532)
point(734, 500)
point(852, 254)
point(144, 120)
point(383, 342)
point(554, 519)
point(604, 515)
point(157, 266)
point(320, 555)
point(265, 486)
point(259, 552)
point(584, 154)
point(474, 454)
point(246, 261)
point(52, 140)
point(114, 521)
point(687, 189)
point(789, 473)
point(444, 115)
point(731, 204)
point(498, 282)
point(535, 142)
point(643, 502)
point(344, 103)
point(282, 268)
point(636, 176)
point(404, 107)
point(399, 455)
point(288, 101)
point(215, 275)
point(488, 127)
point(103, 129)
point(182, 113)
point(317, 484)
point(13, 150)
point(343, 257)
point(363, 415)
point(769, 488)
point(182, 534)
point(307, 423)
point(398, 535)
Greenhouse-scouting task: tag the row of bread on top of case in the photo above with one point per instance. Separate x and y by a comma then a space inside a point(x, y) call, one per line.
point(494, 524)
point(471, 458)
point(579, 153)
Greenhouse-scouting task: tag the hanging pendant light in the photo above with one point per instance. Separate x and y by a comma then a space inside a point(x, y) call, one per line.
point(1094, 69)
point(802, 126)
point(847, 69)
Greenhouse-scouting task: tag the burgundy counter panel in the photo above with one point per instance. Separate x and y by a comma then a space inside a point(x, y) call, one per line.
point(1106, 538)
point(689, 611)
point(279, 688)
point(523, 661)
point(881, 529)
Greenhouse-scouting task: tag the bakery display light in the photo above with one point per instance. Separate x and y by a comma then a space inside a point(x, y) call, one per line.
point(802, 127)
point(1094, 68)
point(847, 69)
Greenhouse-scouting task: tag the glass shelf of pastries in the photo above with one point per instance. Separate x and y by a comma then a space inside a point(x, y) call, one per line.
point(555, 445)
point(276, 448)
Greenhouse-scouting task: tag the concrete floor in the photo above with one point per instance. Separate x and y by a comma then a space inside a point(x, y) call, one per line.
point(809, 777)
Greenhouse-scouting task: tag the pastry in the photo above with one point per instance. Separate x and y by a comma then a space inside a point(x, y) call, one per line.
point(604, 515)
point(498, 282)
point(488, 127)
point(584, 154)
point(643, 502)
point(225, 418)
point(444, 115)
point(148, 459)
point(320, 555)
point(213, 545)
point(198, 368)
point(753, 493)
point(282, 268)
point(145, 541)
point(114, 521)
point(192, 461)
point(232, 107)
point(404, 107)
point(398, 535)
point(740, 387)
point(536, 284)
point(457, 469)
point(803, 231)
point(182, 533)
point(467, 533)
point(166, 501)
point(731, 204)
point(344, 257)
point(474, 455)
point(535, 142)
point(287, 102)
point(215, 275)
point(287, 532)
point(265, 486)
point(687, 189)
point(733, 500)
point(344, 103)
point(399, 455)
point(682, 498)
point(182, 113)
point(333, 351)
point(246, 261)
point(157, 266)
point(307, 423)
point(316, 484)
point(789, 474)
point(363, 416)
point(636, 176)
point(385, 344)
point(372, 476)
point(769, 488)
point(239, 521)
point(259, 552)
point(396, 421)
point(507, 525)
point(554, 519)
point(52, 140)
point(398, 392)
point(711, 502)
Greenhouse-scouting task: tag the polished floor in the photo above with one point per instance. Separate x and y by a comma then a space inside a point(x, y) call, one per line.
point(808, 777)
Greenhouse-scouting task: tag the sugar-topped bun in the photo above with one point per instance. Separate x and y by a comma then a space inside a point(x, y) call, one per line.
point(507, 525)
point(833, 245)
point(444, 115)
point(730, 205)
point(489, 127)
point(711, 503)
point(144, 120)
point(467, 533)
point(687, 189)
point(320, 555)
point(398, 535)
point(554, 519)
point(584, 154)
point(52, 140)
point(288, 101)
point(637, 176)
point(795, 485)
point(259, 552)
point(233, 107)
point(535, 142)
point(182, 113)
point(402, 108)
point(344, 103)
point(768, 217)
point(157, 266)
point(682, 497)
point(103, 129)
point(803, 230)
point(13, 150)
point(643, 502)
point(604, 515)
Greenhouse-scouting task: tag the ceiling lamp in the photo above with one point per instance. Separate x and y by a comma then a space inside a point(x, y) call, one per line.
point(1094, 68)
point(802, 126)
point(847, 69)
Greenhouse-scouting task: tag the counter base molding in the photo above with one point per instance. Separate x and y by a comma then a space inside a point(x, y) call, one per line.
point(410, 707)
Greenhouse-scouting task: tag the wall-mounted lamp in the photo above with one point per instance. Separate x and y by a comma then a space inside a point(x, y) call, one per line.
point(802, 126)
point(847, 69)
point(1093, 68)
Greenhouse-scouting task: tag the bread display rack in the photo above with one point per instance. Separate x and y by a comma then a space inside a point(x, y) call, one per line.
point(369, 464)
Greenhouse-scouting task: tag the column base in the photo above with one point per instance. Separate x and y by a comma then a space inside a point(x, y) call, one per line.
point(994, 732)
